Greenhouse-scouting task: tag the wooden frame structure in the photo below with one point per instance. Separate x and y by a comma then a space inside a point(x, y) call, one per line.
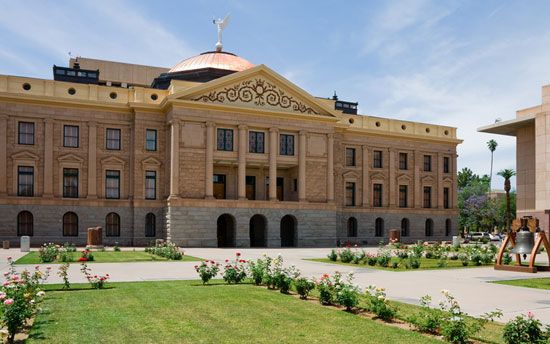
point(510, 239)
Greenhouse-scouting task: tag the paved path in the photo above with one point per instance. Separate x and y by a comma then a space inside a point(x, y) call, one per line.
point(470, 286)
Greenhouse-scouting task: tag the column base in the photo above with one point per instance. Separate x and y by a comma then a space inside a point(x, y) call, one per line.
point(273, 199)
point(241, 198)
point(49, 195)
point(209, 197)
point(173, 197)
point(91, 197)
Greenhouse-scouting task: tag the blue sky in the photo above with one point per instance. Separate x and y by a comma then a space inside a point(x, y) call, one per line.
point(458, 63)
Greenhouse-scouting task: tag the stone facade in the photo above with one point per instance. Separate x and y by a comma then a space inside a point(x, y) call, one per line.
point(298, 180)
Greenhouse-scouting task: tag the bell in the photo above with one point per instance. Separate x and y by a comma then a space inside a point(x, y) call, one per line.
point(525, 240)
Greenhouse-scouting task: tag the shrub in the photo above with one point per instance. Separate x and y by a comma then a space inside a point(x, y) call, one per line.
point(507, 258)
point(333, 256)
point(395, 265)
point(257, 270)
point(96, 281)
point(464, 259)
point(427, 320)
point(358, 257)
point(524, 330)
point(378, 303)
point(69, 247)
point(20, 296)
point(371, 259)
point(234, 272)
point(453, 256)
point(384, 257)
point(303, 287)
point(416, 250)
point(412, 262)
point(207, 270)
point(63, 272)
point(326, 289)
point(347, 294)
point(116, 248)
point(284, 278)
point(346, 255)
point(48, 252)
point(442, 262)
point(66, 255)
point(271, 266)
point(86, 255)
point(429, 255)
point(166, 249)
point(402, 254)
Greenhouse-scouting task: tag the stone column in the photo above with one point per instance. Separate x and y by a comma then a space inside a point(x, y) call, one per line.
point(48, 158)
point(302, 167)
point(330, 168)
point(241, 179)
point(3, 154)
point(209, 170)
point(391, 183)
point(92, 160)
point(365, 179)
point(273, 148)
point(174, 158)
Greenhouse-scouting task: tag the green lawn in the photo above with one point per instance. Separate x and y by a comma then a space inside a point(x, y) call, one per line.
point(538, 283)
point(108, 257)
point(425, 264)
point(187, 312)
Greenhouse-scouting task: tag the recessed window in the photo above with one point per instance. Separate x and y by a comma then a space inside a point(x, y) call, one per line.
point(112, 184)
point(113, 95)
point(71, 91)
point(446, 164)
point(154, 96)
point(427, 196)
point(351, 120)
point(428, 130)
point(25, 133)
point(286, 144)
point(112, 141)
point(112, 225)
point(26, 86)
point(151, 140)
point(403, 196)
point(70, 136)
point(403, 127)
point(70, 182)
point(427, 163)
point(25, 223)
point(446, 132)
point(352, 227)
point(350, 156)
point(405, 227)
point(377, 195)
point(378, 124)
point(150, 184)
point(377, 159)
point(403, 161)
point(70, 224)
point(25, 181)
point(446, 198)
point(256, 142)
point(448, 227)
point(150, 225)
point(379, 227)
point(429, 228)
point(350, 194)
point(225, 139)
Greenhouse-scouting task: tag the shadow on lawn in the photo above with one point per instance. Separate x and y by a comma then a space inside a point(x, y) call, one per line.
point(79, 289)
point(37, 332)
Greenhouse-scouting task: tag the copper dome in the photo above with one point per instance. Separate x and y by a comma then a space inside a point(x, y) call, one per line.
point(213, 59)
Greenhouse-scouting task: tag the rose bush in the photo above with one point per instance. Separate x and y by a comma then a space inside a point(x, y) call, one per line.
point(207, 270)
point(96, 281)
point(234, 271)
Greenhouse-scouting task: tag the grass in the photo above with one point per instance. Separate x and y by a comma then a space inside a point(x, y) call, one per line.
point(108, 257)
point(538, 283)
point(187, 312)
point(425, 264)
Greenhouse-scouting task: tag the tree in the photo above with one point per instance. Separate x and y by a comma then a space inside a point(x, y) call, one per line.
point(472, 201)
point(492, 145)
point(507, 174)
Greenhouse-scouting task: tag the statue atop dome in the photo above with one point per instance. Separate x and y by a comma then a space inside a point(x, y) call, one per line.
point(221, 24)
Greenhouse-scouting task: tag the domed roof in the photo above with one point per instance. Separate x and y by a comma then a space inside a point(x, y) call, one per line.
point(213, 59)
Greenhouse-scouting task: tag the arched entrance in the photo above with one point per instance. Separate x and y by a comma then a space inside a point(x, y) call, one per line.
point(288, 231)
point(226, 231)
point(258, 232)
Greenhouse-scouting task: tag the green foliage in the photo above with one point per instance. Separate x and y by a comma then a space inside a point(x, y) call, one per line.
point(207, 270)
point(346, 255)
point(63, 272)
point(524, 330)
point(333, 255)
point(325, 287)
point(96, 281)
point(257, 270)
point(347, 294)
point(471, 214)
point(378, 303)
point(234, 271)
point(166, 249)
point(303, 287)
point(48, 252)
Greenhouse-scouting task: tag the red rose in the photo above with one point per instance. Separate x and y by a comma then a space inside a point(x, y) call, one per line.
point(227, 260)
point(238, 254)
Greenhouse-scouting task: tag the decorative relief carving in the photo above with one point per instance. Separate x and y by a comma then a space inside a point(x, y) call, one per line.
point(259, 92)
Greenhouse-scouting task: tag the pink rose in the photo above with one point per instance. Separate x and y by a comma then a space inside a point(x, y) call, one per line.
point(8, 302)
point(530, 315)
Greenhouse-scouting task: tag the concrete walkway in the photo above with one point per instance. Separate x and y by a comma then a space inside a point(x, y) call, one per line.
point(470, 286)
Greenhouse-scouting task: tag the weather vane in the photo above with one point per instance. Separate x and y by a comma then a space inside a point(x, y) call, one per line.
point(221, 24)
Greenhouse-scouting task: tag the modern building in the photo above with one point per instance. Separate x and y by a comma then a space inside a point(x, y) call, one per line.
point(531, 127)
point(215, 151)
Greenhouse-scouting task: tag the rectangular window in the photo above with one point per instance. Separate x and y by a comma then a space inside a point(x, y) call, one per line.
point(25, 181)
point(219, 186)
point(427, 196)
point(446, 198)
point(377, 195)
point(112, 139)
point(70, 136)
point(427, 163)
point(112, 184)
point(251, 187)
point(286, 144)
point(403, 161)
point(350, 194)
point(446, 164)
point(70, 182)
point(350, 156)
point(150, 184)
point(151, 140)
point(225, 140)
point(256, 141)
point(377, 159)
point(403, 196)
point(26, 133)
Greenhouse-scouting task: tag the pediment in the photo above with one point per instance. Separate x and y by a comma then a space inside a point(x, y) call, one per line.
point(150, 161)
point(351, 174)
point(428, 179)
point(25, 155)
point(112, 160)
point(70, 158)
point(377, 176)
point(404, 177)
point(259, 88)
point(447, 180)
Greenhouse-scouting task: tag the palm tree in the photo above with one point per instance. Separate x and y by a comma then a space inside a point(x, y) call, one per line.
point(492, 145)
point(507, 174)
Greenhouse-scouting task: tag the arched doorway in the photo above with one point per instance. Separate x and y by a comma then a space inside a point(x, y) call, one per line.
point(258, 232)
point(226, 231)
point(405, 227)
point(288, 231)
point(429, 228)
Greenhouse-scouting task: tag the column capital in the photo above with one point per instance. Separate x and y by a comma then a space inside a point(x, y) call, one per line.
point(364, 148)
point(48, 120)
point(92, 124)
point(210, 124)
point(243, 126)
point(174, 121)
point(330, 136)
point(302, 132)
point(273, 130)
